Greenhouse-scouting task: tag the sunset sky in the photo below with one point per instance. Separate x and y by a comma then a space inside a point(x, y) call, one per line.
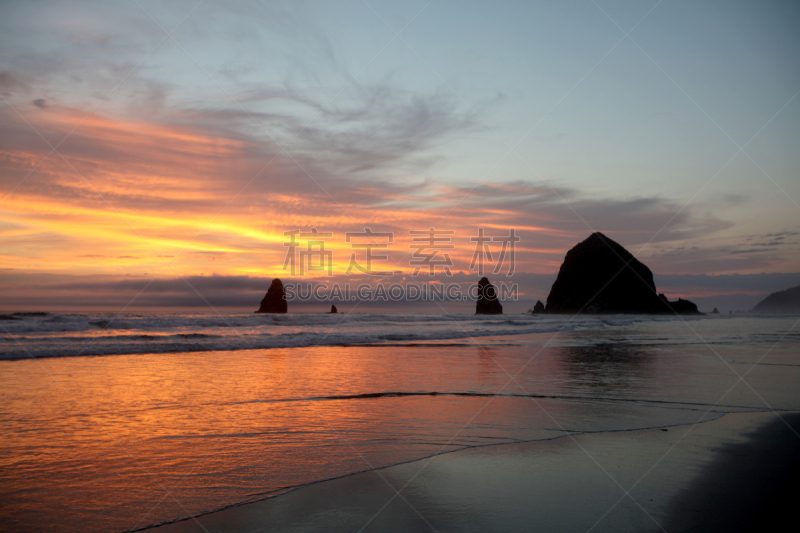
point(178, 142)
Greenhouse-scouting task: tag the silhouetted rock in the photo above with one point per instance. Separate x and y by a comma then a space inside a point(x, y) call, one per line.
point(538, 308)
point(715, 311)
point(600, 276)
point(488, 304)
point(782, 302)
point(22, 315)
point(334, 310)
point(275, 299)
point(684, 307)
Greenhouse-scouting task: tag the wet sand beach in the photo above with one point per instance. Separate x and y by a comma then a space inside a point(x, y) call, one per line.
point(544, 430)
point(735, 473)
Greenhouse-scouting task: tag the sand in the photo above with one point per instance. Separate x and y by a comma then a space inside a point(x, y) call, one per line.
point(734, 473)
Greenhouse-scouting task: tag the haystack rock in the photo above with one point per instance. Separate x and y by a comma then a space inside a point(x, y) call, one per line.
point(538, 308)
point(488, 304)
point(275, 299)
point(600, 276)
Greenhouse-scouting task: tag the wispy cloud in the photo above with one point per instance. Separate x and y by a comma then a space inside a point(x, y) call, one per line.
point(150, 188)
point(267, 117)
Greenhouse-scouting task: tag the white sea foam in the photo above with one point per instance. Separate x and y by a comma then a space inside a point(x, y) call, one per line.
point(61, 335)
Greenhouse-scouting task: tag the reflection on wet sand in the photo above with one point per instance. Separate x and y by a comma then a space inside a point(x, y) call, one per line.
point(619, 369)
point(130, 440)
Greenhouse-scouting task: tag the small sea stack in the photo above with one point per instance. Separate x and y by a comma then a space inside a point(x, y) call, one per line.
point(488, 304)
point(275, 299)
point(538, 308)
point(334, 310)
point(715, 311)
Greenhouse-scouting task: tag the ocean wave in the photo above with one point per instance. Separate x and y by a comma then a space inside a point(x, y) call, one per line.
point(46, 335)
point(124, 344)
point(36, 322)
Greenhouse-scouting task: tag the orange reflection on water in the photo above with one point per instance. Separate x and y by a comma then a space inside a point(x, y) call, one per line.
point(119, 442)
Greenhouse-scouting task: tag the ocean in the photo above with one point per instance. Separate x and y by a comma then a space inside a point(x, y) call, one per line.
point(121, 423)
point(40, 335)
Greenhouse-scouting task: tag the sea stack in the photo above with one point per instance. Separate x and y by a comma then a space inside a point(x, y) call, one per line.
point(488, 304)
point(334, 310)
point(538, 308)
point(715, 311)
point(275, 299)
point(600, 276)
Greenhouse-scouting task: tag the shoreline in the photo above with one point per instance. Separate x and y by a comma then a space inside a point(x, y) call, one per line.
point(280, 459)
point(193, 334)
point(431, 343)
point(319, 499)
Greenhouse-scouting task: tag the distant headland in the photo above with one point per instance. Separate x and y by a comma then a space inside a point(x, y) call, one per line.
point(781, 302)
